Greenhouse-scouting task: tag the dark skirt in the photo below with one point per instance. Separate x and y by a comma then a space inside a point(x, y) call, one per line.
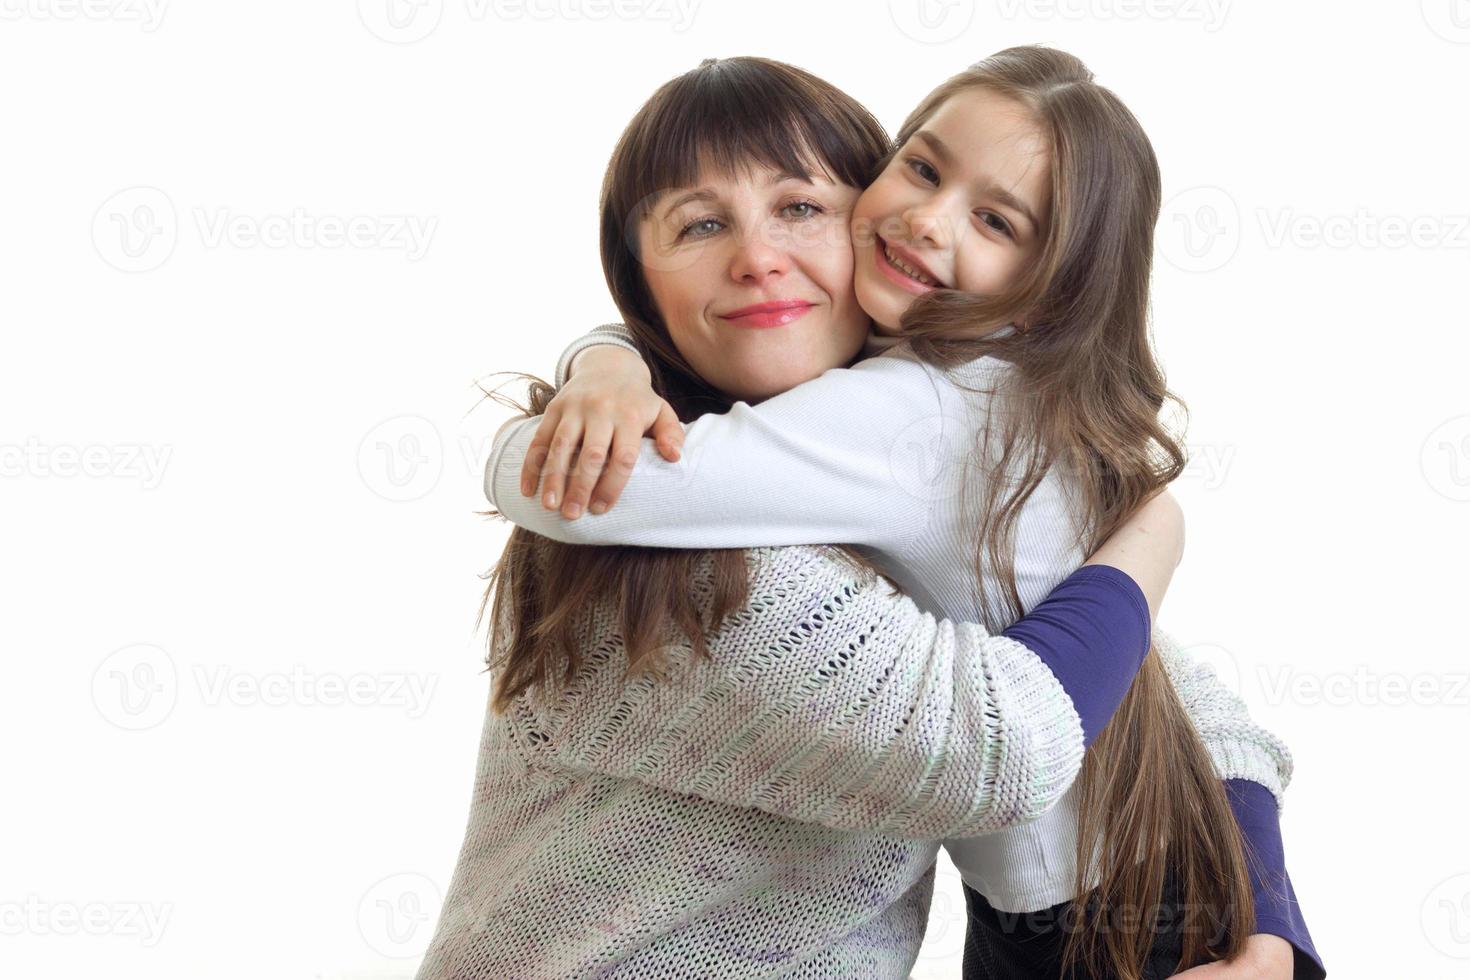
point(1028, 945)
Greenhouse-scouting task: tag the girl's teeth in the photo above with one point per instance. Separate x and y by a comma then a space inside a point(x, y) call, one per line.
point(911, 273)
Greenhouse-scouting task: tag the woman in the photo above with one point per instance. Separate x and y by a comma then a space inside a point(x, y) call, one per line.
point(1065, 259)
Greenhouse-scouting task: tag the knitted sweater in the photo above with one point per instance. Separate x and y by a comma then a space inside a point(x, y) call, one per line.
point(771, 810)
point(874, 456)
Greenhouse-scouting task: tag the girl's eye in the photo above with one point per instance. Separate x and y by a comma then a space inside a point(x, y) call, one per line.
point(1000, 224)
point(914, 164)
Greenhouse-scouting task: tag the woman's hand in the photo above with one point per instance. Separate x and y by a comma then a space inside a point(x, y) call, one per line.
point(599, 416)
point(1266, 957)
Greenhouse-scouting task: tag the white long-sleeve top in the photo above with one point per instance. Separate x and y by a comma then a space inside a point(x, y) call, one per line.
point(876, 455)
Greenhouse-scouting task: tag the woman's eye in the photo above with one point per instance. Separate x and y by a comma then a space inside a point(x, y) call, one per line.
point(999, 223)
point(923, 170)
point(812, 208)
point(687, 229)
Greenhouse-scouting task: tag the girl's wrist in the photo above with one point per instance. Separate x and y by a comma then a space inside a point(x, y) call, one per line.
point(608, 358)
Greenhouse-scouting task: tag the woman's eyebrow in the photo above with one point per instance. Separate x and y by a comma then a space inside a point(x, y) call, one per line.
point(708, 194)
point(1005, 197)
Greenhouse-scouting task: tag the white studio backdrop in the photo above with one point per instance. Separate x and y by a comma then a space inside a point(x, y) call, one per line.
point(256, 257)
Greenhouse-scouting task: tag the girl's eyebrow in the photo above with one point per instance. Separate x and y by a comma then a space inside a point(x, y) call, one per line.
point(709, 194)
point(1002, 195)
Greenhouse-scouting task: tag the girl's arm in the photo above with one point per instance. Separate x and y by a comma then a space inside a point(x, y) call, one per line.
point(1256, 767)
point(833, 699)
point(837, 459)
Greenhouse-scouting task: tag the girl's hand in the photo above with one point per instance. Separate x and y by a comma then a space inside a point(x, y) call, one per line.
point(600, 416)
point(1266, 957)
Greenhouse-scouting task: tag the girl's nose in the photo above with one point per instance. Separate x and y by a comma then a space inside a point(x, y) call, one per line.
point(927, 226)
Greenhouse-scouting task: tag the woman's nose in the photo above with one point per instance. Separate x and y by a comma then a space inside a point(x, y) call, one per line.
point(759, 255)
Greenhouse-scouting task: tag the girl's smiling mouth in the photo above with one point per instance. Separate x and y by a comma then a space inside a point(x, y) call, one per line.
point(904, 268)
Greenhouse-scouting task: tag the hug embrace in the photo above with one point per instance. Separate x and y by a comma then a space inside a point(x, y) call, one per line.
point(847, 544)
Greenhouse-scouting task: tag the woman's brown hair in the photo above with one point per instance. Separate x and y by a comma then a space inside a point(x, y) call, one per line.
point(722, 117)
point(1085, 398)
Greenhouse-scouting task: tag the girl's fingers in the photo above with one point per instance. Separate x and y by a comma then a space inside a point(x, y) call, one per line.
point(626, 442)
point(595, 441)
point(559, 460)
point(669, 435)
point(538, 449)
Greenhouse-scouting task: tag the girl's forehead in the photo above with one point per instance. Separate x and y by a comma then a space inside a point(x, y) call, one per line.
point(978, 118)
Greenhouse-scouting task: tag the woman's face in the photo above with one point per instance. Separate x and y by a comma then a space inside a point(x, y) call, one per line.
point(753, 275)
point(963, 204)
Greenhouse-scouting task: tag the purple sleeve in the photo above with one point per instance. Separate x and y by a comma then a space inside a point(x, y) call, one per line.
point(1093, 631)
point(1277, 912)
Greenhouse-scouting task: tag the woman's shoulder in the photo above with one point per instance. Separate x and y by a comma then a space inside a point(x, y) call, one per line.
point(805, 572)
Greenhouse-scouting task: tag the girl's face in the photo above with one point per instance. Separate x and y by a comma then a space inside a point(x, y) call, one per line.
point(754, 278)
point(963, 204)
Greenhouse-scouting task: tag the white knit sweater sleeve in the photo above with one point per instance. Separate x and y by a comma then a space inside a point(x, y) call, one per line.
point(827, 699)
point(1240, 748)
point(839, 459)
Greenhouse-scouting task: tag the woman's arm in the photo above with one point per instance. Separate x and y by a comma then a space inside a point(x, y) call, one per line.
point(832, 699)
point(836, 702)
point(830, 461)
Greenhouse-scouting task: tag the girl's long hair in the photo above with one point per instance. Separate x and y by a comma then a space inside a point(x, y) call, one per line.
point(726, 114)
point(1086, 398)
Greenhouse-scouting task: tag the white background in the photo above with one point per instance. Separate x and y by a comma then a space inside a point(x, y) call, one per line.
point(241, 466)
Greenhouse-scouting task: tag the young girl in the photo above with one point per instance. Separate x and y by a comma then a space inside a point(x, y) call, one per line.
point(1007, 243)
